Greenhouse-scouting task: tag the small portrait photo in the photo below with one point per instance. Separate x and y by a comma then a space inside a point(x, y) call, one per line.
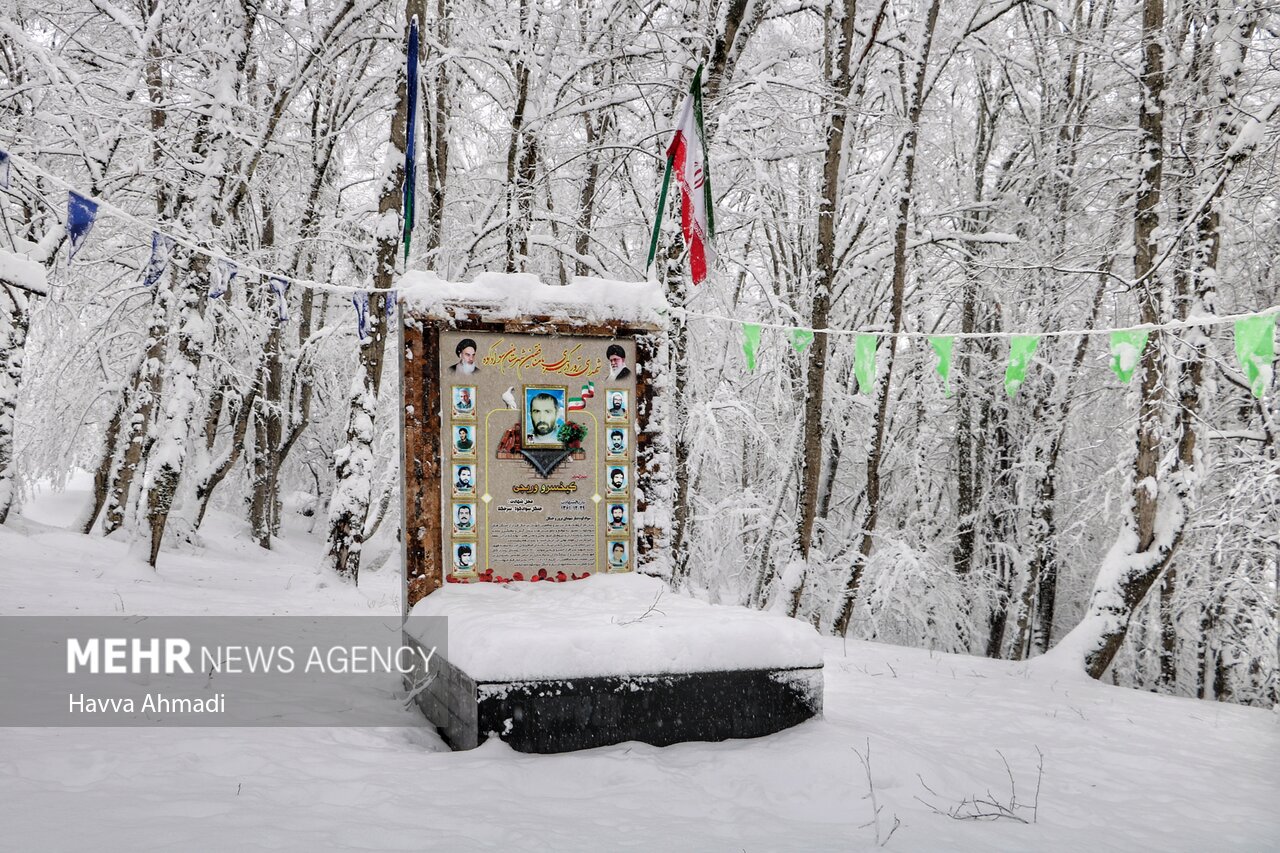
point(615, 520)
point(464, 486)
point(464, 519)
point(464, 443)
point(464, 402)
point(464, 558)
point(615, 443)
point(466, 353)
point(615, 407)
point(617, 551)
point(617, 357)
point(543, 415)
point(615, 481)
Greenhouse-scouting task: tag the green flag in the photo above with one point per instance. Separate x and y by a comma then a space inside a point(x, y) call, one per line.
point(864, 362)
point(800, 339)
point(1021, 348)
point(942, 346)
point(1126, 352)
point(1256, 349)
point(750, 342)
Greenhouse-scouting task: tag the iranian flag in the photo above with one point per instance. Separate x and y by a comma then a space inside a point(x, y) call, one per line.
point(577, 404)
point(687, 157)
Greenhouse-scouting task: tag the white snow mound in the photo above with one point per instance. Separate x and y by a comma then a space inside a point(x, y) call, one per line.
point(604, 625)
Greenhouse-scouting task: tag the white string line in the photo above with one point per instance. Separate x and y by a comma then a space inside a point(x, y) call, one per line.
point(349, 289)
point(1215, 320)
point(241, 267)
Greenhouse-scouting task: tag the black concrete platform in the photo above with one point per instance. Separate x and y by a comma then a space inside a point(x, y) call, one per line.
point(559, 715)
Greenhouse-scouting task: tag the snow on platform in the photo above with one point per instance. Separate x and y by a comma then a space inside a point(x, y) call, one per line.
point(604, 625)
point(518, 296)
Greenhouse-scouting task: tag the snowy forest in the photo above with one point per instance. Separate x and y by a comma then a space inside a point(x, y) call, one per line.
point(980, 168)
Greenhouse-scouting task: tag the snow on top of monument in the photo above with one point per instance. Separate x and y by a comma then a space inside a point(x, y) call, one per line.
point(625, 624)
point(503, 296)
point(22, 272)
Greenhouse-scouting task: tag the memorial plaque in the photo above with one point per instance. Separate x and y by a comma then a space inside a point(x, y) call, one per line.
point(531, 445)
point(539, 442)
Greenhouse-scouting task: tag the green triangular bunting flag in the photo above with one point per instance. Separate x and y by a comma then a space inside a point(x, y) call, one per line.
point(1126, 352)
point(800, 339)
point(1256, 349)
point(750, 342)
point(942, 346)
point(864, 362)
point(1021, 348)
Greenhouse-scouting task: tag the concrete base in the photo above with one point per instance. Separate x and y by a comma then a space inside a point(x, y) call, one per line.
point(559, 715)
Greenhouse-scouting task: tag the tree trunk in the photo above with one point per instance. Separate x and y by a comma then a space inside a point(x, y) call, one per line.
point(16, 321)
point(219, 467)
point(1140, 559)
point(596, 127)
point(1160, 505)
point(438, 137)
point(874, 457)
point(521, 156)
point(837, 56)
point(353, 463)
point(733, 37)
point(838, 69)
point(141, 407)
point(166, 461)
point(1040, 590)
point(681, 515)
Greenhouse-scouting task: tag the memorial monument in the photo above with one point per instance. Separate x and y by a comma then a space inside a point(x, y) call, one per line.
point(534, 487)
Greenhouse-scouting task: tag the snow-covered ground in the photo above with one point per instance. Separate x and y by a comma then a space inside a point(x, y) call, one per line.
point(1085, 765)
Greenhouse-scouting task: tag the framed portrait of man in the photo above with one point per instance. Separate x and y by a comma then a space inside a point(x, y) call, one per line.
point(616, 406)
point(464, 520)
point(615, 481)
point(618, 555)
point(464, 402)
point(466, 353)
point(464, 558)
point(617, 520)
point(615, 443)
point(464, 444)
point(617, 358)
point(464, 484)
point(543, 416)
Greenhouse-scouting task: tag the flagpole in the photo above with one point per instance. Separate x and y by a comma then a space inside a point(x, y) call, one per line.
point(696, 90)
point(410, 161)
point(657, 218)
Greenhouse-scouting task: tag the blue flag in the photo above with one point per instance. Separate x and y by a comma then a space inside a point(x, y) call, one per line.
point(361, 303)
point(161, 250)
point(411, 135)
point(80, 216)
point(280, 287)
point(224, 273)
point(5, 165)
